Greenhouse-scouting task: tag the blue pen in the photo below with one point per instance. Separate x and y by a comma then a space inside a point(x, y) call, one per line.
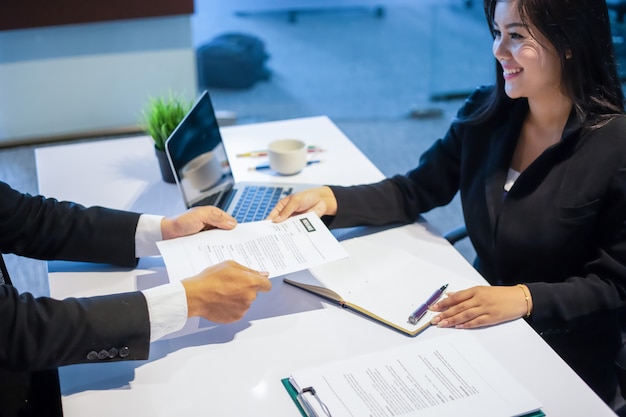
point(421, 310)
point(261, 167)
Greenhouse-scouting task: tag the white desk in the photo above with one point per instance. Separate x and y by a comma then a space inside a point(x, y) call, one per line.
point(235, 369)
point(123, 173)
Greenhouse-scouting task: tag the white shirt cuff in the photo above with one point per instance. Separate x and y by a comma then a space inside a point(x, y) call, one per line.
point(167, 308)
point(147, 234)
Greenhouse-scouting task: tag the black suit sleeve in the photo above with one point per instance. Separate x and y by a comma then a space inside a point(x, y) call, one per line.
point(44, 228)
point(40, 333)
point(43, 333)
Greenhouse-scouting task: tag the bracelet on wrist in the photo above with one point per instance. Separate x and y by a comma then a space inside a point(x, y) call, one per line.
point(527, 298)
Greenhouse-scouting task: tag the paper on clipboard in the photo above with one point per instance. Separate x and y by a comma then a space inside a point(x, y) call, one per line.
point(446, 376)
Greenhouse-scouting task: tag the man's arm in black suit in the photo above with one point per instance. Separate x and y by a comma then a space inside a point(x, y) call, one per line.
point(43, 333)
point(44, 228)
point(36, 333)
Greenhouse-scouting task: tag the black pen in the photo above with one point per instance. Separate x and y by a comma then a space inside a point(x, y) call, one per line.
point(421, 310)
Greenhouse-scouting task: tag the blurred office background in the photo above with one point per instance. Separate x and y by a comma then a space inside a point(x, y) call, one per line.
point(391, 74)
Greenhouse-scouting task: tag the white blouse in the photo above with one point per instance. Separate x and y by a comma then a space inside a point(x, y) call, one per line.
point(511, 177)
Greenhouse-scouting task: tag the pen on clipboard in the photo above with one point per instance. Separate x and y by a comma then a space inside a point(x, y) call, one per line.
point(422, 309)
point(259, 153)
point(262, 167)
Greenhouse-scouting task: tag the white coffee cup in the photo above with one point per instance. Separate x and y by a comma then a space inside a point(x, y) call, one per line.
point(287, 156)
point(203, 171)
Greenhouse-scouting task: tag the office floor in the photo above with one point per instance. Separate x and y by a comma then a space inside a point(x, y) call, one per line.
point(366, 72)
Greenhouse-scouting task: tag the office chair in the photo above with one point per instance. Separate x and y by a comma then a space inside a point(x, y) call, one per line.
point(456, 234)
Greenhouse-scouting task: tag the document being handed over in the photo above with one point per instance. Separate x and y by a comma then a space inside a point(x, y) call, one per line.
point(279, 248)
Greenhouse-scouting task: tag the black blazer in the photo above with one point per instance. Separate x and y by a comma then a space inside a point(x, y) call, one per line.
point(561, 229)
point(42, 333)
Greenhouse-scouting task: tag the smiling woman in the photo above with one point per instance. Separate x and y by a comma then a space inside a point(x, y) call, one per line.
point(538, 159)
point(587, 65)
point(531, 69)
point(529, 62)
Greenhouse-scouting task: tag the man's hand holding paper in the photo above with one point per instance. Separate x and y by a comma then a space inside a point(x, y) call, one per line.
point(296, 244)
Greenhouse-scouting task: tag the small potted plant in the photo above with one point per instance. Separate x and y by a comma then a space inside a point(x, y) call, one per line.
point(160, 117)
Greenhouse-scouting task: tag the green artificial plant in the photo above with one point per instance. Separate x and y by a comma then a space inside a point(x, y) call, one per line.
point(162, 115)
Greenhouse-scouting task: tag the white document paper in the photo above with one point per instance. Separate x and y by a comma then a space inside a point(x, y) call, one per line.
point(298, 243)
point(446, 376)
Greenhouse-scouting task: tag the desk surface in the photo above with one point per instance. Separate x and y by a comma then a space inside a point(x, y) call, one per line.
point(235, 370)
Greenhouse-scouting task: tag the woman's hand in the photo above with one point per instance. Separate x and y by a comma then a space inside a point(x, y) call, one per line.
point(319, 200)
point(482, 306)
point(196, 220)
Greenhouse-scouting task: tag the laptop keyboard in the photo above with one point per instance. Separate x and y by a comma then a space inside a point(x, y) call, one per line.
point(256, 202)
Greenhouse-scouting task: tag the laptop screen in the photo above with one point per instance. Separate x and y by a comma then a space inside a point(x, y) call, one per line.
point(196, 153)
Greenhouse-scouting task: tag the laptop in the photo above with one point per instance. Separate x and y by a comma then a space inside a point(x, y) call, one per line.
point(198, 159)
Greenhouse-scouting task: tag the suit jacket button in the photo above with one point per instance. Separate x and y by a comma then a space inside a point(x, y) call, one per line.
point(124, 352)
point(103, 354)
point(92, 356)
point(112, 352)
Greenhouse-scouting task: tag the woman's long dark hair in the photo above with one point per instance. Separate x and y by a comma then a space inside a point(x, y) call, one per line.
point(580, 32)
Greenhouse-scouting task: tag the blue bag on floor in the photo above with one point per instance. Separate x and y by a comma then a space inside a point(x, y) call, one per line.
point(232, 60)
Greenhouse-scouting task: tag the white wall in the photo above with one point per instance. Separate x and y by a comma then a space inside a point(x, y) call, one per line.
point(88, 78)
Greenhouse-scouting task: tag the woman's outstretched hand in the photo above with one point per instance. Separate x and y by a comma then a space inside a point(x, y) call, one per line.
point(319, 200)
